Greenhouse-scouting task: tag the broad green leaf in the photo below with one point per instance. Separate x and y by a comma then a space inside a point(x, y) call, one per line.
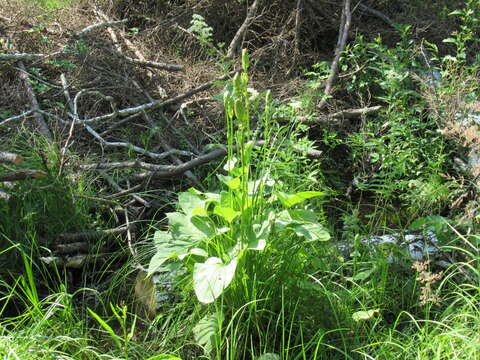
point(188, 202)
point(161, 237)
point(232, 182)
point(207, 331)
point(311, 231)
point(211, 278)
point(226, 212)
point(204, 225)
point(303, 215)
point(183, 227)
point(168, 250)
point(289, 200)
point(364, 315)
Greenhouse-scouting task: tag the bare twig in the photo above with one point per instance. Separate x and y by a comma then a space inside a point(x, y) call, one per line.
point(41, 124)
point(11, 158)
point(90, 28)
point(342, 41)
point(72, 126)
point(236, 41)
point(16, 117)
point(154, 64)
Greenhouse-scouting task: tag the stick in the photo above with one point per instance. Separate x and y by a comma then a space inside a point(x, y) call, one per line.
point(22, 175)
point(90, 28)
point(68, 238)
point(342, 41)
point(16, 117)
point(42, 125)
point(236, 41)
point(11, 158)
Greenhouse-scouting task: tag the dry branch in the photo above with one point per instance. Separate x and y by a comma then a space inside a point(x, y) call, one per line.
point(154, 64)
point(22, 175)
point(158, 103)
point(41, 124)
point(71, 248)
point(68, 238)
point(90, 28)
point(16, 117)
point(203, 159)
point(236, 41)
point(73, 262)
point(11, 158)
point(342, 41)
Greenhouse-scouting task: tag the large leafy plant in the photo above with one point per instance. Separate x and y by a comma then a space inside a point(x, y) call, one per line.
point(212, 232)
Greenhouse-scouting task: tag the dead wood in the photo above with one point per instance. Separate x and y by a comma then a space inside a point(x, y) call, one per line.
point(41, 124)
point(159, 103)
point(235, 44)
point(71, 248)
point(11, 158)
point(68, 238)
point(22, 175)
point(342, 41)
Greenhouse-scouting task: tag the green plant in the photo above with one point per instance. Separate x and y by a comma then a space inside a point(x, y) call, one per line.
point(215, 235)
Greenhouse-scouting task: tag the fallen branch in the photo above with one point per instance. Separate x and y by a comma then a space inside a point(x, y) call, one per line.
point(203, 159)
point(22, 175)
point(236, 41)
point(158, 103)
point(154, 64)
point(342, 41)
point(90, 28)
point(16, 117)
point(41, 124)
point(74, 262)
point(68, 238)
point(71, 248)
point(11, 158)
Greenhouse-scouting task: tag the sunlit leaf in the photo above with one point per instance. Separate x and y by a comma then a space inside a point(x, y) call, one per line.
point(289, 200)
point(211, 278)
